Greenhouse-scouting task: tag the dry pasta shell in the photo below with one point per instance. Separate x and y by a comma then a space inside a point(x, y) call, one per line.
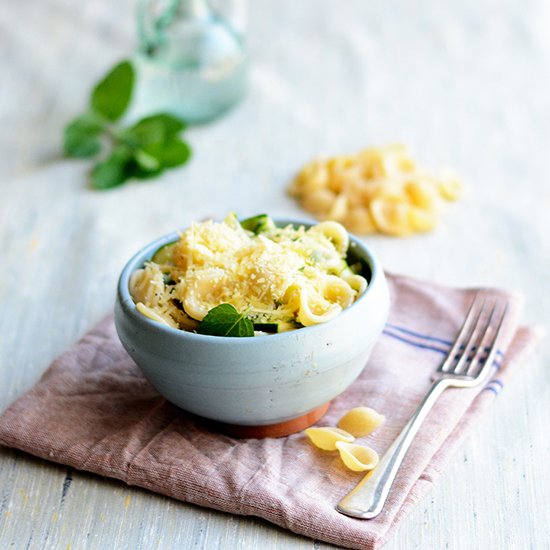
point(422, 220)
point(399, 196)
point(361, 421)
point(358, 220)
point(327, 437)
point(372, 163)
point(371, 189)
point(358, 458)
point(339, 208)
point(450, 188)
point(406, 164)
point(421, 193)
point(319, 201)
point(340, 162)
point(391, 216)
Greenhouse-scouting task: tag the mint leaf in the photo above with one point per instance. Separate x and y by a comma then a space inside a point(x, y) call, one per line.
point(114, 170)
point(142, 151)
point(169, 154)
point(145, 161)
point(136, 171)
point(156, 142)
point(157, 128)
point(112, 95)
point(225, 320)
point(81, 137)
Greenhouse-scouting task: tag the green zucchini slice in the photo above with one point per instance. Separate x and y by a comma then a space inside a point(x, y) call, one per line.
point(164, 255)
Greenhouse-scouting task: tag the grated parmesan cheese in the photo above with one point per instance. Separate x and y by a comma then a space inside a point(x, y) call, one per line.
point(291, 276)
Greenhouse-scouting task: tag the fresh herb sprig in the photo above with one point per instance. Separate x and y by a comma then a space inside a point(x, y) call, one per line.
point(225, 320)
point(143, 150)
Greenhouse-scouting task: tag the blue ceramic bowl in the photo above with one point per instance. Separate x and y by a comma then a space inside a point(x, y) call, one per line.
point(259, 381)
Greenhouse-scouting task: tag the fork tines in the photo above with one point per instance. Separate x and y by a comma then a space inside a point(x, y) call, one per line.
point(475, 345)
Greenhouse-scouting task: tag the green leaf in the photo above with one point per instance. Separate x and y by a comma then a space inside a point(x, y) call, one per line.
point(156, 144)
point(145, 161)
point(170, 154)
point(114, 170)
point(225, 320)
point(142, 151)
point(81, 136)
point(112, 95)
point(159, 128)
point(136, 171)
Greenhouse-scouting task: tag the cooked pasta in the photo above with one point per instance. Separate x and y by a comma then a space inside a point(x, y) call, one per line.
point(280, 278)
point(379, 189)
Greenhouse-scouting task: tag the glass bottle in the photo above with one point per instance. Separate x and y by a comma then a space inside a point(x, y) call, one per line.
point(190, 61)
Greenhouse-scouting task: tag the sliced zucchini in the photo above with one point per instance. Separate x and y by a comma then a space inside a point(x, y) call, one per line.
point(285, 326)
point(164, 255)
point(280, 326)
point(267, 327)
point(258, 224)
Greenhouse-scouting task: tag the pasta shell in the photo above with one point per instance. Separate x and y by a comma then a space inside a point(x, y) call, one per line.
point(327, 437)
point(151, 314)
point(334, 232)
point(337, 290)
point(358, 458)
point(421, 193)
point(422, 220)
point(391, 216)
point(315, 309)
point(361, 421)
point(359, 220)
point(380, 189)
point(339, 208)
point(450, 188)
point(319, 201)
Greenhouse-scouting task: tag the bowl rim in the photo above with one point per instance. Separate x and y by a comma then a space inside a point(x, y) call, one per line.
point(136, 261)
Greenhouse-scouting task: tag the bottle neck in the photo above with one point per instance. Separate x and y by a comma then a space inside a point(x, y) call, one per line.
point(152, 24)
point(194, 8)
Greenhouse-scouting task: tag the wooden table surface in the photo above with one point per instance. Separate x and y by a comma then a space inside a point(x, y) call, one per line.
point(464, 84)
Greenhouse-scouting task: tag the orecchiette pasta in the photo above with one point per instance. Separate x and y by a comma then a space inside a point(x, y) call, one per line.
point(310, 304)
point(339, 290)
point(280, 278)
point(152, 314)
point(379, 189)
point(356, 282)
point(335, 233)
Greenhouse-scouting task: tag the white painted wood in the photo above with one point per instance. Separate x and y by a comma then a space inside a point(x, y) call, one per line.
point(465, 84)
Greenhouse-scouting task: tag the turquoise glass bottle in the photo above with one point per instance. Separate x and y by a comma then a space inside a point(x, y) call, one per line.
point(191, 61)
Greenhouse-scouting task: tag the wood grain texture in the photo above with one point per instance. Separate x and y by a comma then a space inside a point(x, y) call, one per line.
point(464, 84)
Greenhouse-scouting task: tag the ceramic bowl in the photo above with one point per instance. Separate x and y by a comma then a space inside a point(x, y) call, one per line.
point(266, 385)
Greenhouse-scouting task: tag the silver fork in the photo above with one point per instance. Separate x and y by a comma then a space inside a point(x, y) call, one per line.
point(468, 364)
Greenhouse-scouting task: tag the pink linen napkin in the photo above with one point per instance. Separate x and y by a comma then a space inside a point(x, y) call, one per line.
point(94, 410)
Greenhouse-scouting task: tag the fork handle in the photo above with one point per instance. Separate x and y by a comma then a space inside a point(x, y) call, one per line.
point(368, 498)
